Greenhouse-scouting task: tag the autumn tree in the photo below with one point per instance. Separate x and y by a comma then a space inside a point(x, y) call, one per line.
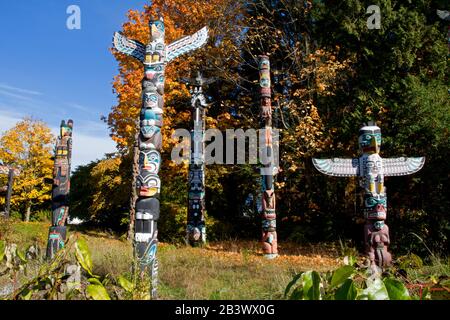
point(28, 145)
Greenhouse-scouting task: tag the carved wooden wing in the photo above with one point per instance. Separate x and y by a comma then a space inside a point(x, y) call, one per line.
point(402, 166)
point(337, 167)
point(129, 47)
point(443, 14)
point(186, 44)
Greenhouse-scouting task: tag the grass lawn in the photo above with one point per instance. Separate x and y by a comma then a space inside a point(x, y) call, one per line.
point(233, 269)
point(225, 270)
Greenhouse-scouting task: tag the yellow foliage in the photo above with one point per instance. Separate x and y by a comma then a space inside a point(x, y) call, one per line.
point(28, 145)
point(107, 184)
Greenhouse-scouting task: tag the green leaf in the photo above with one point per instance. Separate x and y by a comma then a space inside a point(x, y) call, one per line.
point(95, 281)
point(128, 286)
point(97, 292)
point(297, 294)
point(347, 291)
point(2, 249)
point(83, 255)
point(26, 294)
point(376, 290)
point(306, 284)
point(349, 260)
point(314, 291)
point(289, 286)
point(362, 294)
point(21, 255)
point(396, 289)
point(311, 285)
point(341, 274)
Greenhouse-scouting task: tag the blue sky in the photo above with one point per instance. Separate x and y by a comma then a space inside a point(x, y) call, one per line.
point(52, 73)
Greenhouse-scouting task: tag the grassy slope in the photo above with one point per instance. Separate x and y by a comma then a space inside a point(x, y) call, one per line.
point(226, 270)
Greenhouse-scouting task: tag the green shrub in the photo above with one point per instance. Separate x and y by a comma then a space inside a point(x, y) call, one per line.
point(346, 283)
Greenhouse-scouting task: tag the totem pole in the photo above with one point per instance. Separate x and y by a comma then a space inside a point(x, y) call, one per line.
point(11, 172)
point(268, 172)
point(154, 57)
point(60, 189)
point(371, 170)
point(196, 229)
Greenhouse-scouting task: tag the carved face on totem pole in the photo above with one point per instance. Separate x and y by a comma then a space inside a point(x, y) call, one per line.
point(268, 204)
point(266, 108)
point(151, 117)
point(375, 206)
point(264, 77)
point(152, 100)
point(147, 213)
point(61, 167)
point(57, 238)
point(370, 139)
point(63, 144)
point(66, 129)
point(150, 160)
point(195, 227)
point(148, 184)
point(155, 52)
point(196, 180)
point(199, 81)
point(149, 126)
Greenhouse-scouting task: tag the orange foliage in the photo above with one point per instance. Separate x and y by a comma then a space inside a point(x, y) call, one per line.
point(181, 18)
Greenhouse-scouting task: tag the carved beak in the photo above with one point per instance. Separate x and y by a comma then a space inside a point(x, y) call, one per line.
point(373, 148)
point(374, 144)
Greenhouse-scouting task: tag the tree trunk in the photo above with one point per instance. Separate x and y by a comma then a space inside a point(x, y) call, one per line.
point(28, 213)
point(133, 196)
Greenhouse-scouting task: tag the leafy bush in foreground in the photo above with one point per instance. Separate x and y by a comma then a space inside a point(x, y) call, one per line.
point(356, 283)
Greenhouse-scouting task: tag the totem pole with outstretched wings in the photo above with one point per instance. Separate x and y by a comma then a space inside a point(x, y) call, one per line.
point(371, 170)
point(154, 56)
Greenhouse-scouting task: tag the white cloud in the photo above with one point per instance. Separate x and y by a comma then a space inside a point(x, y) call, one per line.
point(8, 119)
point(81, 108)
point(19, 90)
point(19, 96)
